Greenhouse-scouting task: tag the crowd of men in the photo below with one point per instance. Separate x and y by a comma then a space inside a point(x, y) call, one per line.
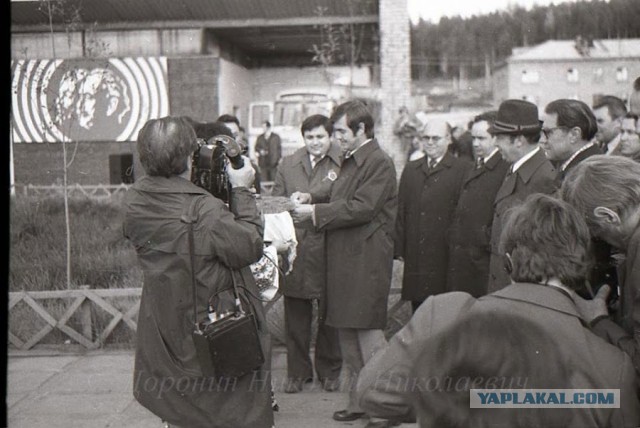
point(444, 222)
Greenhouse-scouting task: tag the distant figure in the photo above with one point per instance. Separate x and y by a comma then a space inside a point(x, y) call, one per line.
point(630, 137)
point(427, 196)
point(269, 151)
point(634, 99)
point(461, 143)
point(609, 111)
point(517, 129)
point(470, 232)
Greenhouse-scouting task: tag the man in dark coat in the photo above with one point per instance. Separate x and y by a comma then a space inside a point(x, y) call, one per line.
point(359, 217)
point(428, 193)
point(517, 129)
point(311, 169)
point(567, 135)
point(470, 233)
point(268, 149)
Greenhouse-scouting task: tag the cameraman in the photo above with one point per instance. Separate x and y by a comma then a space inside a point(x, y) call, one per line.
point(167, 376)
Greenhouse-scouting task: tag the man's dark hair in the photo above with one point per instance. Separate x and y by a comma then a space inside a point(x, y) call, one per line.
point(356, 113)
point(574, 113)
point(614, 105)
point(487, 116)
point(315, 121)
point(227, 118)
point(636, 84)
point(266, 122)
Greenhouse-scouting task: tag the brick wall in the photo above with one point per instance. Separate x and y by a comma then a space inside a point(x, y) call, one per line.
point(395, 73)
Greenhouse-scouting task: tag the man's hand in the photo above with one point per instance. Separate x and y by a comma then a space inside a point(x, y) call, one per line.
point(594, 308)
point(302, 213)
point(300, 198)
point(242, 177)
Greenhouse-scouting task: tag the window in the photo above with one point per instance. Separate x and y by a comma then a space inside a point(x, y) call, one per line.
point(598, 74)
point(530, 76)
point(259, 114)
point(622, 74)
point(572, 75)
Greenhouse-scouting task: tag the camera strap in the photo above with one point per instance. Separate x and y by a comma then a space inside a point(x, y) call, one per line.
point(189, 217)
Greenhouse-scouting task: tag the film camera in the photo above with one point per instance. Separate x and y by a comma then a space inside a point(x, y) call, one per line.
point(210, 162)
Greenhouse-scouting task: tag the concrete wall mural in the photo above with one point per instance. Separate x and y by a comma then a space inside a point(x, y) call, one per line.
point(86, 99)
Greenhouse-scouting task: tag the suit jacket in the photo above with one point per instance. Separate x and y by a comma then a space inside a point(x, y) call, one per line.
point(470, 236)
point(307, 279)
point(359, 219)
point(426, 202)
point(591, 151)
point(593, 363)
point(273, 148)
point(536, 175)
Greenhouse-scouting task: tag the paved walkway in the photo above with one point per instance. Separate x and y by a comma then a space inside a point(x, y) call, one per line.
point(93, 390)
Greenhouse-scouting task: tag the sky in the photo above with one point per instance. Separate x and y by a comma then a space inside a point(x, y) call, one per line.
point(433, 10)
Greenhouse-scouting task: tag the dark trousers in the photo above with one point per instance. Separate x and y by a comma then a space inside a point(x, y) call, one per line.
point(298, 316)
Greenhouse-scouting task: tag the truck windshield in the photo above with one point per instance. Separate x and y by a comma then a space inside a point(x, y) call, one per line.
point(292, 113)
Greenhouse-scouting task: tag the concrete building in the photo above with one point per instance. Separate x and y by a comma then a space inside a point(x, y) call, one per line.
point(578, 69)
point(95, 72)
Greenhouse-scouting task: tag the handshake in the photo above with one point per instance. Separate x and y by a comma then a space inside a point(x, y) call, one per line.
point(303, 210)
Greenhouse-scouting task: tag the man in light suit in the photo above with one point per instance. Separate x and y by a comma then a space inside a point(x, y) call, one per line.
point(517, 130)
point(470, 233)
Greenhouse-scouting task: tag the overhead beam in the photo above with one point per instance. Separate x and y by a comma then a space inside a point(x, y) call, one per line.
point(211, 24)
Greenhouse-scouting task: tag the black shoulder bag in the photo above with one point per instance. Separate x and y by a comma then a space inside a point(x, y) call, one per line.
point(230, 346)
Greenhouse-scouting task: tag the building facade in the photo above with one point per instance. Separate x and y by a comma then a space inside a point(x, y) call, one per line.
point(577, 69)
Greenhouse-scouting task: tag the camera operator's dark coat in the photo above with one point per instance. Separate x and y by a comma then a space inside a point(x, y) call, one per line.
point(426, 201)
point(470, 233)
point(359, 220)
point(167, 376)
point(308, 278)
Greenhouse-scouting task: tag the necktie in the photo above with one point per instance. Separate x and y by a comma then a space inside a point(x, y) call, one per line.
point(315, 160)
point(479, 162)
point(432, 163)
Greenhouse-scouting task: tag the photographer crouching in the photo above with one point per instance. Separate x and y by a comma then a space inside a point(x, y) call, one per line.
point(190, 243)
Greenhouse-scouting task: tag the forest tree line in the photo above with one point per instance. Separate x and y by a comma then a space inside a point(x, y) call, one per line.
point(470, 47)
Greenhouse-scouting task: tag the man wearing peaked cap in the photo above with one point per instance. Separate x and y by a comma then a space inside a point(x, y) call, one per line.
point(517, 129)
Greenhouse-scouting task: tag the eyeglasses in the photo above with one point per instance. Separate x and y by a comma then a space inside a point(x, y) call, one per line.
point(548, 131)
point(427, 138)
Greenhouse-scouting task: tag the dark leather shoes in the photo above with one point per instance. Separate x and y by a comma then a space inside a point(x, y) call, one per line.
point(382, 424)
point(346, 416)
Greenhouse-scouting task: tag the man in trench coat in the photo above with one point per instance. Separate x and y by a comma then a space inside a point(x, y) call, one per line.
point(310, 169)
point(359, 218)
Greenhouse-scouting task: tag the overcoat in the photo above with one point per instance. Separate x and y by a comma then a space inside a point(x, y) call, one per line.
point(273, 147)
point(592, 362)
point(308, 276)
point(536, 175)
point(167, 376)
point(470, 233)
point(426, 202)
point(359, 220)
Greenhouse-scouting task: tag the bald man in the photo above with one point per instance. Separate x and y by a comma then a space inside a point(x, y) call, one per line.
point(428, 193)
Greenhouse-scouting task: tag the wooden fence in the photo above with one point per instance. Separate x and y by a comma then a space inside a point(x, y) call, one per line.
point(84, 301)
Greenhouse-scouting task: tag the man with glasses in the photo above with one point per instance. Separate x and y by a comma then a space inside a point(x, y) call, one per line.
point(427, 196)
point(517, 130)
point(568, 129)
